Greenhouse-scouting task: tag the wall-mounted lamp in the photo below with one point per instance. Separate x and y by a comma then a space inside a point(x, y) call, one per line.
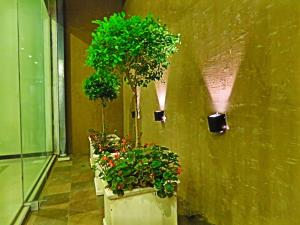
point(160, 116)
point(161, 92)
point(133, 114)
point(217, 123)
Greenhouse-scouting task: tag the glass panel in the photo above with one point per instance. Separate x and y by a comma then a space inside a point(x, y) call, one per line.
point(47, 74)
point(10, 146)
point(35, 89)
point(25, 98)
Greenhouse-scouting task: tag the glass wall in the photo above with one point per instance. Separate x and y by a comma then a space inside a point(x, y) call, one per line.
point(25, 99)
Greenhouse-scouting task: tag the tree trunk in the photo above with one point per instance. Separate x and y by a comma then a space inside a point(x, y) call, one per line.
point(103, 119)
point(136, 120)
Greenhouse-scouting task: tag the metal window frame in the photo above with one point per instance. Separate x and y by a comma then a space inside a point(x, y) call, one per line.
point(59, 108)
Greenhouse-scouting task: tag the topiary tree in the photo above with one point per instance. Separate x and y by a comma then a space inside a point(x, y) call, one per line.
point(103, 86)
point(135, 48)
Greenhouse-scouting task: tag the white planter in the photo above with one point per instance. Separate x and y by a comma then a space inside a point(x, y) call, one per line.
point(91, 148)
point(99, 183)
point(93, 160)
point(93, 157)
point(99, 186)
point(97, 169)
point(139, 207)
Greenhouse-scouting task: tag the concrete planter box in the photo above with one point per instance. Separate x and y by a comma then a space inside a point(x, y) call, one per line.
point(99, 183)
point(93, 157)
point(97, 170)
point(91, 148)
point(93, 160)
point(139, 207)
point(99, 186)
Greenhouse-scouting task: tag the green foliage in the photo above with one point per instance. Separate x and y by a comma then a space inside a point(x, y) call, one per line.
point(148, 166)
point(107, 143)
point(136, 48)
point(102, 86)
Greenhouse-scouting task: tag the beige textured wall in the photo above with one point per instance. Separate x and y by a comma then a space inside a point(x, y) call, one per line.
point(83, 114)
point(250, 175)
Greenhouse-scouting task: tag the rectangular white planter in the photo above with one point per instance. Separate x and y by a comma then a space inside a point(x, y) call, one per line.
point(93, 159)
point(139, 207)
point(91, 148)
point(99, 183)
point(99, 186)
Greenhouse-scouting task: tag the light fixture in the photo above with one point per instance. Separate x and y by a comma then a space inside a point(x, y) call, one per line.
point(160, 116)
point(133, 114)
point(217, 123)
point(161, 90)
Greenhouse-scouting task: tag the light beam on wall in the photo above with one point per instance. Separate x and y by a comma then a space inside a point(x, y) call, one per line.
point(161, 90)
point(219, 74)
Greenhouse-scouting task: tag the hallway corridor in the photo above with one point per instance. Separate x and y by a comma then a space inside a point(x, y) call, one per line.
point(69, 196)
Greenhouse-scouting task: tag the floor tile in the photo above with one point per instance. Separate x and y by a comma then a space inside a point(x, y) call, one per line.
point(82, 186)
point(69, 196)
point(89, 218)
point(55, 199)
point(57, 189)
point(84, 205)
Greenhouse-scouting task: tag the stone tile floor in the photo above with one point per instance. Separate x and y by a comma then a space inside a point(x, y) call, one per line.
point(68, 198)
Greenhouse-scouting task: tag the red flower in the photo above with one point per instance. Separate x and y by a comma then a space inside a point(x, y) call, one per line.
point(117, 155)
point(120, 186)
point(179, 170)
point(111, 163)
point(104, 158)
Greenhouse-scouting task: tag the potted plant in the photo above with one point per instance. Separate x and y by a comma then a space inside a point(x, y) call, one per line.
point(141, 182)
point(109, 144)
point(104, 87)
point(135, 48)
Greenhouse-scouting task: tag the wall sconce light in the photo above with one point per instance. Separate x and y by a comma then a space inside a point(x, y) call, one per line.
point(161, 92)
point(217, 123)
point(160, 116)
point(133, 114)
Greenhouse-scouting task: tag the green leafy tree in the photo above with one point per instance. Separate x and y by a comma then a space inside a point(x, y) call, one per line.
point(103, 86)
point(135, 48)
